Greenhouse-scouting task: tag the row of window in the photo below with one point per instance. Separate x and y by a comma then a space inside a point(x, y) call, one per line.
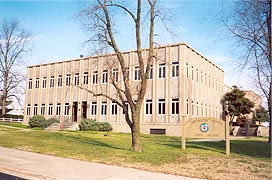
point(104, 79)
point(199, 108)
point(202, 78)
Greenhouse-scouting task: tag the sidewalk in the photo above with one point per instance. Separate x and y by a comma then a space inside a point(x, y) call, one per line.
point(38, 166)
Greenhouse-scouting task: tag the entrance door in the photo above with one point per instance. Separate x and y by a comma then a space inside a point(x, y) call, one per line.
point(75, 107)
point(84, 109)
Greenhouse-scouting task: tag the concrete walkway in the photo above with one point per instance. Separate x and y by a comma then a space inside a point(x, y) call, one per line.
point(36, 166)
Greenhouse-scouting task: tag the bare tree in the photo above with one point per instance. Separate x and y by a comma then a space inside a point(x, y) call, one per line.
point(251, 26)
point(14, 43)
point(99, 19)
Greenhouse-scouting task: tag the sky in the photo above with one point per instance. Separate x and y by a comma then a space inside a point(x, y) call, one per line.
point(58, 35)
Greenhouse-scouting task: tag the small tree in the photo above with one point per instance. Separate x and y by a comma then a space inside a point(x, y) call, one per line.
point(238, 103)
point(261, 114)
point(14, 43)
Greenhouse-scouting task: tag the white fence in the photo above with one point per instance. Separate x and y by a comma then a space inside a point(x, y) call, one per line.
point(10, 120)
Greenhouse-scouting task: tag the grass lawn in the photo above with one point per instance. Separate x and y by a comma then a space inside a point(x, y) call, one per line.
point(250, 158)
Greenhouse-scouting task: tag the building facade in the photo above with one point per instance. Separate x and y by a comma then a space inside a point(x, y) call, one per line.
point(182, 84)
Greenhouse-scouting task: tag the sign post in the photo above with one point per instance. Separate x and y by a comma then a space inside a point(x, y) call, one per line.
point(183, 139)
point(227, 129)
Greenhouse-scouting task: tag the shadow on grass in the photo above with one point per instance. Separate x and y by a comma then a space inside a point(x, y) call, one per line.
point(251, 148)
point(87, 141)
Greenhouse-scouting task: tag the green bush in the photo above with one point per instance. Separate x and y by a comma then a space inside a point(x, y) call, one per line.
point(93, 125)
point(105, 126)
point(51, 121)
point(37, 121)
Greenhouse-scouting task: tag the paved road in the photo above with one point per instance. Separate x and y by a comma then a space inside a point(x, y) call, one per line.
point(38, 166)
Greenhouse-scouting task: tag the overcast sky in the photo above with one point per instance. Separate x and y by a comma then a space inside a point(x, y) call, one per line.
point(59, 35)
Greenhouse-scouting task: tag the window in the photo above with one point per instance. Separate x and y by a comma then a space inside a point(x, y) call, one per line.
point(95, 76)
point(175, 106)
point(137, 74)
point(58, 109)
point(60, 81)
point(162, 70)
point(115, 74)
point(68, 79)
point(192, 72)
point(187, 70)
point(187, 107)
point(104, 108)
point(44, 82)
point(151, 72)
point(175, 69)
point(85, 78)
point(50, 109)
point(114, 108)
point(197, 109)
point(43, 109)
point(148, 106)
point(66, 109)
point(76, 79)
point(93, 108)
point(105, 76)
point(35, 111)
point(28, 110)
point(193, 108)
point(125, 108)
point(201, 77)
point(161, 106)
point(37, 83)
point(30, 83)
point(52, 81)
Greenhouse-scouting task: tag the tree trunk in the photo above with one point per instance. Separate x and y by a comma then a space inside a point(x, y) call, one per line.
point(270, 116)
point(135, 131)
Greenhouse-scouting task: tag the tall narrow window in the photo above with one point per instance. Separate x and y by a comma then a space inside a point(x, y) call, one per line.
point(93, 108)
point(95, 76)
point(66, 109)
point(76, 79)
point(175, 69)
point(85, 78)
point(175, 106)
point(52, 81)
point(193, 108)
point(37, 83)
point(125, 108)
point(187, 70)
point(44, 82)
point(187, 107)
point(105, 76)
point(150, 72)
point(201, 77)
point(192, 72)
point(58, 109)
point(115, 75)
point(43, 109)
point(35, 110)
point(162, 70)
point(161, 106)
point(114, 108)
point(148, 106)
point(28, 109)
point(60, 81)
point(104, 108)
point(137, 74)
point(197, 109)
point(68, 79)
point(50, 109)
point(30, 83)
